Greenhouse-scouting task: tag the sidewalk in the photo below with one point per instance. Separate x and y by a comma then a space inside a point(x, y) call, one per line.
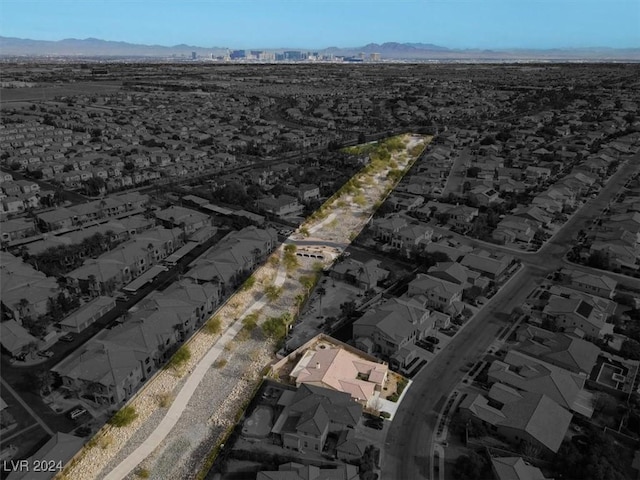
point(182, 399)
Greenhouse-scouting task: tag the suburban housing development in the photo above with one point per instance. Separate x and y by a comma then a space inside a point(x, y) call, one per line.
point(323, 272)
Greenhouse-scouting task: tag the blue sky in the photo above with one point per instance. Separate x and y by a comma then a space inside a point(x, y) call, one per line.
point(322, 23)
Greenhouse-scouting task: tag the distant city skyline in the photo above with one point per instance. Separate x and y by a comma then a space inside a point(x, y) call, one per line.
point(316, 24)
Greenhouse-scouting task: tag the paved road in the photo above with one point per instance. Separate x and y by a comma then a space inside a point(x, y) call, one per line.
point(408, 442)
point(409, 439)
point(37, 418)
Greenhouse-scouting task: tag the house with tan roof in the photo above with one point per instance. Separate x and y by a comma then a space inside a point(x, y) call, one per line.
point(327, 363)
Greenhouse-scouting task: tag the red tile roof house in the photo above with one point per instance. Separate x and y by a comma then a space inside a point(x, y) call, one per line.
point(519, 417)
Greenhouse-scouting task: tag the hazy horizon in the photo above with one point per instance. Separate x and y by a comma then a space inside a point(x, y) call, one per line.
point(316, 24)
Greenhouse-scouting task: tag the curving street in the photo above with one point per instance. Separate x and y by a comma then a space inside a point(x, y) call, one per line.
point(409, 439)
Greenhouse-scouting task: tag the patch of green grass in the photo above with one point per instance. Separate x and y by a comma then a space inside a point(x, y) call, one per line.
point(165, 400)
point(219, 363)
point(249, 324)
point(272, 292)
point(275, 328)
point(180, 358)
point(143, 473)
point(213, 326)
point(248, 283)
point(123, 417)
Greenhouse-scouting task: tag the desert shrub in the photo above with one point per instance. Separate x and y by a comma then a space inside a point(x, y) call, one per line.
point(124, 417)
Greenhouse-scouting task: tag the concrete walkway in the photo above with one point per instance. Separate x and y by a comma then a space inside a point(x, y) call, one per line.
point(318, 226)
point(181, 400)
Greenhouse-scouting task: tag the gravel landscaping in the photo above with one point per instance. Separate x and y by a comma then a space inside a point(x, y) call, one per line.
point(214, 404)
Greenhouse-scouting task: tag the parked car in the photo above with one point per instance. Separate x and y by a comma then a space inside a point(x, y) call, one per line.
point(77, 412)
point(67, 338)
point(46, 354)
point(433, 340)
point(378, 424)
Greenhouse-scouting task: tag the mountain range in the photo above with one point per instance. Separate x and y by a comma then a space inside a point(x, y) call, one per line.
point(93, 47)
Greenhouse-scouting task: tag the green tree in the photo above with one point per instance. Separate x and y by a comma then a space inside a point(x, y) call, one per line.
point(272, 292)
point(180, 358)
point(275, 328)
point(307, 281)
